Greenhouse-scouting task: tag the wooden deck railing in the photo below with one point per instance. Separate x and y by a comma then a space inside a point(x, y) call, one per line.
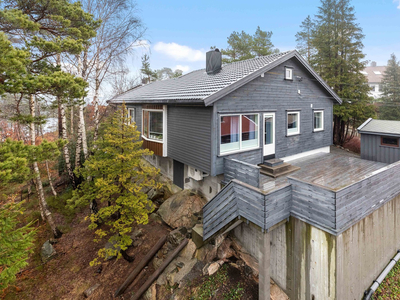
point(240, 170)
point(239, 199)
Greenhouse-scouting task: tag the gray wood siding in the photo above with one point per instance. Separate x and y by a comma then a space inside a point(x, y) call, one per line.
point(272, 93)
point(313, 204)
point(138, 116)
point(240, 199)
point(253, 157)
point(372, 149)
point(189, 136)
point(242, 171)
point(355, 202)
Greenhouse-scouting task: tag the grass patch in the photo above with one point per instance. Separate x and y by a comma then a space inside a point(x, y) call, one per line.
point(211, 285)
point(390, 287)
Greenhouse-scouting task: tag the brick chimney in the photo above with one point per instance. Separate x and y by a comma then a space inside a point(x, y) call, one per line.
point(373, 63)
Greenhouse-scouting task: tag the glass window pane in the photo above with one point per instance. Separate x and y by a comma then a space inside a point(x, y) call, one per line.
point(229, 133)
point(145, 123)
point(269, 130)
point(293, 120)
point(318, 120)
point(132, 115)
point(249, 131)
point(156, 125)
point(390, 141)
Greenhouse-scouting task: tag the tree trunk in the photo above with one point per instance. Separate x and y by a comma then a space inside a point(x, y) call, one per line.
point(81, 140)
point(81, 107)
point(96, 103)
point(72, 120)
point(83, 129)
point(65, 148)
point(38, 181)
point(50, 180)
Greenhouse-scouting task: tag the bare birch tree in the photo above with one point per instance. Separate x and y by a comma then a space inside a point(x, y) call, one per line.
point(44, 210)
point(119, 33)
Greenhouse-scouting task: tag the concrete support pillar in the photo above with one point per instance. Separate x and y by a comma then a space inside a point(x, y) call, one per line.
point(264, 268)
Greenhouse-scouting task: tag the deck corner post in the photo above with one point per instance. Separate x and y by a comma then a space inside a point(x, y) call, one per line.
point(264, 267)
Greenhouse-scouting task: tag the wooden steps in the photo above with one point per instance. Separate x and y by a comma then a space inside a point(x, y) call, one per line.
point(277, 167)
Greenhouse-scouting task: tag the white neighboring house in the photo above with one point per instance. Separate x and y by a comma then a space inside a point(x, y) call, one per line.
point(374, 74)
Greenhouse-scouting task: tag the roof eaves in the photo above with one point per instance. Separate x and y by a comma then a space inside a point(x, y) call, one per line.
point(364, 124)
point(159, 101)
point(380, 133)
point(232, 87)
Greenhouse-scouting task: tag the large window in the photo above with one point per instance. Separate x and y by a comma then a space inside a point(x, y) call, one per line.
point(239, 132)
point(293, 123)
point(153, 125)
point(318, 120)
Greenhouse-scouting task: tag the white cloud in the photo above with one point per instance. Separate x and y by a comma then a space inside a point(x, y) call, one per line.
point(141, 43)
point(394, 1)
point(180, 52)
point(184, 69)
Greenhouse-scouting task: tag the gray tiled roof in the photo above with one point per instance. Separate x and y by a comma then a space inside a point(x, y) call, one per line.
point(200, 87)
point(380, 126)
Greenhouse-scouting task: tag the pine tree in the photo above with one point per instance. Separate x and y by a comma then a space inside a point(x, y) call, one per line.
point(118, 175)
point(304, 38)
point(147, 72)
point(337, 42)
point(244, 46)
point(15, 241)
point(390, 109)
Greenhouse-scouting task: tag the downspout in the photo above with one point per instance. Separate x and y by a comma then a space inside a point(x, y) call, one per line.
point(368, 293)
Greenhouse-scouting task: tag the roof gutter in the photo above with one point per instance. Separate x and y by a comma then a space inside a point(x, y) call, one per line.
point(368, 293)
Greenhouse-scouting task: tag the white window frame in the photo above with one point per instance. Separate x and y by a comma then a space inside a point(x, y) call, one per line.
point(290, 76)
point(322, 120)
point(164, 125)
point(241, 149)
point(132, 117)
point(287, 123)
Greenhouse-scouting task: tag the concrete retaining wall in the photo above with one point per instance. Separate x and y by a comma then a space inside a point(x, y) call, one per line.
point(364, 250)
point(302, 258)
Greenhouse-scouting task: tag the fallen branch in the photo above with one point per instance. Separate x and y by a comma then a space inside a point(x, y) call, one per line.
point(157, 273)
point(140, 266)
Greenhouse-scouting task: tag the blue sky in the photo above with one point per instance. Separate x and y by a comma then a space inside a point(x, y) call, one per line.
point(180, 32)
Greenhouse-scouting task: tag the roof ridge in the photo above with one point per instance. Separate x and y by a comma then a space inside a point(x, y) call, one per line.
point(259, 57)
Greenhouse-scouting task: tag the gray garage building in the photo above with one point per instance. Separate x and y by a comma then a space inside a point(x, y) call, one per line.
point(380, 140)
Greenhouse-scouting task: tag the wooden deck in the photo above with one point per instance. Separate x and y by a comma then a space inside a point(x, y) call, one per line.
point(330, 191)
point(332, 171)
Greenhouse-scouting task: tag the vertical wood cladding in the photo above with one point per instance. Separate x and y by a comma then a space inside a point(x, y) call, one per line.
point(189, 135)
point(272, 93)
point(157, 148)
point(372, 149)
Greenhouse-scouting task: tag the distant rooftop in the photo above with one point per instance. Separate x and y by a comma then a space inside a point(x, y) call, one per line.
point(374, 73)
point(372, 126)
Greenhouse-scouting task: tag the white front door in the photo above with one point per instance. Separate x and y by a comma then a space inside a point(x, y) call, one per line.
point(269, 134)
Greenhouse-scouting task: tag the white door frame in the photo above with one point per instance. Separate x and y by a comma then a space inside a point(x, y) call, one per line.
point(270, 148)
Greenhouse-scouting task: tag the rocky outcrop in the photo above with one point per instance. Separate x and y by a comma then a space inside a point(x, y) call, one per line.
point(180, 210)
